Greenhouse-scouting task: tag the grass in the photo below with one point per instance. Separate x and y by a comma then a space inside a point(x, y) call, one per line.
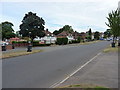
point(19, 53)
point(86, 43)
point(87, 87)
point(111, 49)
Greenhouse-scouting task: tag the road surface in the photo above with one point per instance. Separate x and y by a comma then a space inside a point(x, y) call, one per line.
point(42, 70)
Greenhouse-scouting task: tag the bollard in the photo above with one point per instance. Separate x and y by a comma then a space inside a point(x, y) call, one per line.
point(29, 49)
point(3, 48)
point(113, 44)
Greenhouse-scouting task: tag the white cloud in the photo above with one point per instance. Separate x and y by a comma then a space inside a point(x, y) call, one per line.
point(80, 14)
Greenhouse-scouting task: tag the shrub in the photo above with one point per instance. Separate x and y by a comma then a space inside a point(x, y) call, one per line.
point(41, 44)
point(19, 42)
point(62, 41)
point(75, 41)
point(35, 43)
point(78, 39)
point(65, 41)
point(59, 41)
point(14, 42)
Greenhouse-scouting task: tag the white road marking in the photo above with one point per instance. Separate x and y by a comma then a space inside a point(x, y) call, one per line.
point(60, 82)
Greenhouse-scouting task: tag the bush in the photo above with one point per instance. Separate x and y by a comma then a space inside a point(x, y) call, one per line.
point(79, 39)
point(75, 41)
point(35, 43)
point(62, 41)
point(14, 42)
point(19, 42)
point(41, 44)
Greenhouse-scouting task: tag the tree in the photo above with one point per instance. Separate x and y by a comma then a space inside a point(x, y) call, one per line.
point(97, 35)
point(107, 33)
point(34, 24)
point(56, 32)
point(0, 32)
point(66, 28)
point(90, 34)
point(17, 34)
point(7, 30)
point(114, 23)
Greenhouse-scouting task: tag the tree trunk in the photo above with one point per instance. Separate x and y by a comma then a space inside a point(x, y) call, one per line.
point(113, 43)
point(118, 41)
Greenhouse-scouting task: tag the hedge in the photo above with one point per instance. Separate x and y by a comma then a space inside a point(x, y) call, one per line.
point(62, 41)
point(19, 42)
point(36, 43)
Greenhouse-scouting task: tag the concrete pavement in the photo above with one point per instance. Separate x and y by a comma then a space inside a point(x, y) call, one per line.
point(102, 71)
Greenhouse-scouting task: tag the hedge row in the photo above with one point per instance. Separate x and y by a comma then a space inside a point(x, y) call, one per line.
point(62, 41)
point(36, 43)
point(19, 42)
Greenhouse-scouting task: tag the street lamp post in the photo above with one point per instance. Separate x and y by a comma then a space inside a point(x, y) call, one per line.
point(29, 49)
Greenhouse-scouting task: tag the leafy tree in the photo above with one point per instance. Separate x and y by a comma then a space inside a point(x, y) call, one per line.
point(97, 35)
point(114, 23)
point(34, 24)
point(66, 28)
point(18, 34)
point(79, 39)
point(107, 33)
point(0, 31)
point(56, 32)
point(90, 34)
point(7, 30)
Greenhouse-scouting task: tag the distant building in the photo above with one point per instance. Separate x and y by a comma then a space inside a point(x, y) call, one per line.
point(76, 35)
point(47, 39)
point(65, 34)
point(83, 36)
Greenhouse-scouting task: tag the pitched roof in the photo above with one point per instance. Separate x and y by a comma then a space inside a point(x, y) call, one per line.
point(47, 32)
point(64, 33)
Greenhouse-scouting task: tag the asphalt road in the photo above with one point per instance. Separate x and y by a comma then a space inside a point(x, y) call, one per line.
point(42, 70)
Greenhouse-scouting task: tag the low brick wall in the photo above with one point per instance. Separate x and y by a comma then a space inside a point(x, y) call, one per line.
point(8, 47)
point(20, 44)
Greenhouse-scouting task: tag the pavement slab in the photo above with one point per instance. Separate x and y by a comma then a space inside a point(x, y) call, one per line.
point(102, 71)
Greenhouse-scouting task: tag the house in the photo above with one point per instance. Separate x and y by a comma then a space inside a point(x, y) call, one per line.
point(83, 36)
point(14, 39)
point(101, 34)
point(76, 35)
point(47, 33)
point(65, 34)
point(92, 36)
point(47, 39)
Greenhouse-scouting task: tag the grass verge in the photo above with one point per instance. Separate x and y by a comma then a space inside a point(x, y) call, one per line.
point(87, 87)
point(19, 53)
point(111, 49)
point(86, 43)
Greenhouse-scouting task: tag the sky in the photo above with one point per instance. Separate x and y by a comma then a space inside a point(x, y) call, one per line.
point(80, 14)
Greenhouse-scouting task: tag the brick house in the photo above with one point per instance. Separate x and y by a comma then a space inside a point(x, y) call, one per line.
point(83, 35)
point(47, 39)
point(65, 34)
point(76, 35)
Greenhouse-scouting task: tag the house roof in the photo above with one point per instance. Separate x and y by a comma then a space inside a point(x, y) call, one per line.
point(75, 33)
point(16, 38)
point(64, 33)
point(47, 32)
